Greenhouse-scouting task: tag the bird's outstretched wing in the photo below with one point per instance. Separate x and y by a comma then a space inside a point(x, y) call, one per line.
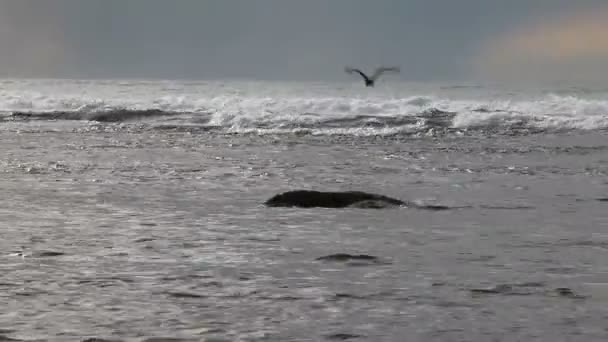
point(352, 70)
point(382, 70)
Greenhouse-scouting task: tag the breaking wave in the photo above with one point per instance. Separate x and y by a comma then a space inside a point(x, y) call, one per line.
point(235, 111)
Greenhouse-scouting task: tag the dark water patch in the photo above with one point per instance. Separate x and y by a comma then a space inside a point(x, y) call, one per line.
point(106, 282)
point(262, 239)
point(191, 129)
point(583, 243)
point(47, 254)
point(605, 199)
point(192, 245)
point(434, 207)
point(111, 146)
point(31, 292)
point(281, 298)
point(480, 258)
point(523, 289)
point(452, 304)
point(127, 115)
point(531, 284)
point(499, 289)
point(97, 339)
point(343, 336)
point(122, 279)
point(4, 338)
point(190, 276)
point(10, 285)
point(526, 289)
point(30, 116)
point(507, 207)
point(561, 270)
point(193, 295)
point(339, 296)
point(98, 283)
point(567, 293)
point(37, 254)
point(190, 295)
point(546, 245)
point(167, 339)
point(370, 296)
point(144, 240)
point(241, 294)
point(486, 110)
point(115, 115)
point(214, 283)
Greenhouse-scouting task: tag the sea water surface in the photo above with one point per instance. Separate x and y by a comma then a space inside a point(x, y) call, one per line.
point(133, 210)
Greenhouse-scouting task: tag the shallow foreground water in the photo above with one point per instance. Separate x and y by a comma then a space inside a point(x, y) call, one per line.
point(141, 230)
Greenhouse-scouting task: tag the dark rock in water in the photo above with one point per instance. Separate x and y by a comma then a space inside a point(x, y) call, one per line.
point(317, 199)
point(348, 257)
point(354, 260)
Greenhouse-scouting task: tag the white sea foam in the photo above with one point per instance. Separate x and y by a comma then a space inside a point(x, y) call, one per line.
point(249, 107)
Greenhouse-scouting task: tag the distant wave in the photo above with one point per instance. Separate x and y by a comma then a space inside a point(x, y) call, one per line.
point(317, 114)
point(115, 115)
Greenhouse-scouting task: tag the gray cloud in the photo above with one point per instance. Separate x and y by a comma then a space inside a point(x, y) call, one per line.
point(270, 39)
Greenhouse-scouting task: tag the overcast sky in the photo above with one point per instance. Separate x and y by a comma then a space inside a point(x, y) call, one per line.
point(297, 39)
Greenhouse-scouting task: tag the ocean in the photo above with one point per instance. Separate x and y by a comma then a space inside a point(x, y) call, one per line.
point(133, 210)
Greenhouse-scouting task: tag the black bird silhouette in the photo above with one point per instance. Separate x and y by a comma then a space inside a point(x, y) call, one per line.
point(369, 81)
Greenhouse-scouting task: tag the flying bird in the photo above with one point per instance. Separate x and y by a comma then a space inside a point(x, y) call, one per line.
point(369, 81)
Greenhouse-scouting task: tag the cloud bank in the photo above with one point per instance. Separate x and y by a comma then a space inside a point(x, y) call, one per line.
point(569, 46)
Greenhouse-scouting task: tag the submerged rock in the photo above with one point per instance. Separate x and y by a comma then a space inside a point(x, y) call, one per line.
point(318, 199)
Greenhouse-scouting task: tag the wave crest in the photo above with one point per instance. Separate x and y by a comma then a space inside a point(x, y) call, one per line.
point(319, 114)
